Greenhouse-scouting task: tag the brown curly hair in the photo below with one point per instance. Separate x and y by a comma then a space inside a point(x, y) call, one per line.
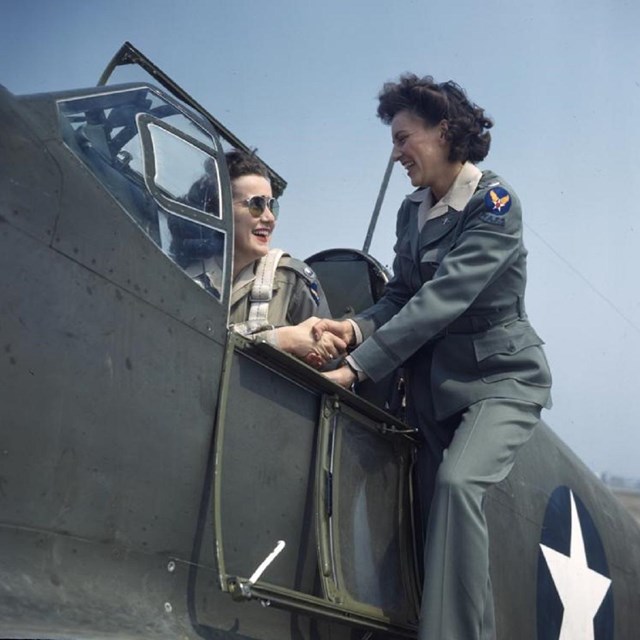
point(467, 124)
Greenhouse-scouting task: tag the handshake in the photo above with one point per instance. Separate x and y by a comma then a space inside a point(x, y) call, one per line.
point(318, 342)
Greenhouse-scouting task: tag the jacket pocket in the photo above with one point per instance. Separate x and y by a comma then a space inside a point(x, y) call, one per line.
point(429, 263)
point(512, 352)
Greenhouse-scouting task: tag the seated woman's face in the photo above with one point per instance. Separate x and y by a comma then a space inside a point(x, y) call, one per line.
point(252, 234)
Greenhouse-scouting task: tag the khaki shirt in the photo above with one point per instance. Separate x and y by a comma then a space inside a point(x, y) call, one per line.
point(297, 294)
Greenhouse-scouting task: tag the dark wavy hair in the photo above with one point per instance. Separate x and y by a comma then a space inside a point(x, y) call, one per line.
point(467, 124)
point(241, 163)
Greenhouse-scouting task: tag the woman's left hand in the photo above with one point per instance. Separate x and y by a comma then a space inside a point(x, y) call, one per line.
point(343, 376)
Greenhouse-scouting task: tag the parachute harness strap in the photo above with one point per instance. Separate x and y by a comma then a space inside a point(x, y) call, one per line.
point(262, 291)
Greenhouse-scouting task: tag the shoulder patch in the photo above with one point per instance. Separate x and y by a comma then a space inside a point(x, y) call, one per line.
point(497, 202)
point(303, 270)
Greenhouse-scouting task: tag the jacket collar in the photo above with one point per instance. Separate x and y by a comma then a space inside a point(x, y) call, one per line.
point(455, 200)
point(459, 193)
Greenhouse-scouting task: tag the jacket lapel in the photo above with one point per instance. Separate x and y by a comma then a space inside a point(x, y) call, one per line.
point(413, 230)
point(435, 230)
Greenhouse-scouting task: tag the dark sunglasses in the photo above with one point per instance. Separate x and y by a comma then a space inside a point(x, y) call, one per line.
point(257, 205)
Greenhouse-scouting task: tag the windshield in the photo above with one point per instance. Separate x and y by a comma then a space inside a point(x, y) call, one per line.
point(162, 167)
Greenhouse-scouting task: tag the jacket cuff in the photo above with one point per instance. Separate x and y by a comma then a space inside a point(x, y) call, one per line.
point(375, 361)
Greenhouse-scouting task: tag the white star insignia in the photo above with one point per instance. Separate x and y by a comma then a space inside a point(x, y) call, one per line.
point(580, 588)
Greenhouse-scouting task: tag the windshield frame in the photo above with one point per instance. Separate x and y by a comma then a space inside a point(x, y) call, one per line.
point(128, 54)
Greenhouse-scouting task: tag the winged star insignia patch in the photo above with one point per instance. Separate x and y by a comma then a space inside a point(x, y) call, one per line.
point(498, 202)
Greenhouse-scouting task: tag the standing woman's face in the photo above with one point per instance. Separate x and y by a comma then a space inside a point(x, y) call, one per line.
point(421, 149)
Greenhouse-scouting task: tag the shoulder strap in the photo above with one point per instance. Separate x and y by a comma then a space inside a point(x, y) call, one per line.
point(262, 290)
point(305, 273)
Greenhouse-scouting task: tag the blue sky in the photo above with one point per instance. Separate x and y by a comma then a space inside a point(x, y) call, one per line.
point(298, 80)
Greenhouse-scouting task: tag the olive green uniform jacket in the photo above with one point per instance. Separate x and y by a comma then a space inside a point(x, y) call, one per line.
point(297, 295)
point(453, 312)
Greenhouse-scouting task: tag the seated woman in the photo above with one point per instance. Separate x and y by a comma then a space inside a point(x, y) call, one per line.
point(272, 291)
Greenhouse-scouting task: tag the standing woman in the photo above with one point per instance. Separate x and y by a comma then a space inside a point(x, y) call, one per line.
point(453, 316)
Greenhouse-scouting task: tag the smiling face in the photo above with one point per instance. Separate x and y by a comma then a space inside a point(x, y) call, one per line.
point(252, 235)
point(422, 150)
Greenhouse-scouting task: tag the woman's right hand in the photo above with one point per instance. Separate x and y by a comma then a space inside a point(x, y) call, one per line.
point(342, 329)
point(300, 341)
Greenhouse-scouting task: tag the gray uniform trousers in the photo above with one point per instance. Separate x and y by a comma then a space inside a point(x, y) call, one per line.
point(462, 457)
